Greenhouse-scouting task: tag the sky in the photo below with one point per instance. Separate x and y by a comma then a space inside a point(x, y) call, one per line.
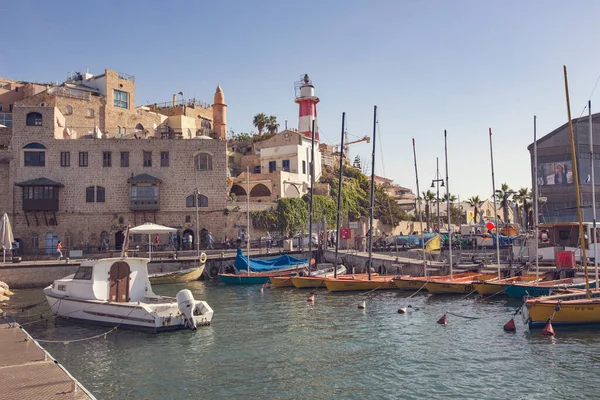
point(429, 66)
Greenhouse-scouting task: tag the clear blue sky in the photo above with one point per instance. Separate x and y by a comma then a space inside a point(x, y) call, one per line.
point(463, 66)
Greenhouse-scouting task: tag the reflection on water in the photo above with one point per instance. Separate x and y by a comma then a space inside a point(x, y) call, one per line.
point(277, 345)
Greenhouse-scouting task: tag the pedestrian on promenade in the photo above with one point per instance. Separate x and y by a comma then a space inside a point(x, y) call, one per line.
point(59, 250)
point(210, 241)
point(269, 240)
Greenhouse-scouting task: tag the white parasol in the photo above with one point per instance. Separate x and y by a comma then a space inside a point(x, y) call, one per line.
point(6, 236)
point(149, 228)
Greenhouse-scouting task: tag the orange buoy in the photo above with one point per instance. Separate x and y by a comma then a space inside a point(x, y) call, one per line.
point(548, 329)
point(402, 310)
point(362, 305)
point(311, 298)
point(443, 320)
point(510, 326)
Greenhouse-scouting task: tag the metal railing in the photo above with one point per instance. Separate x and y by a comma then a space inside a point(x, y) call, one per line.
point(68, 92)
point(126, 77)
point(180, 102)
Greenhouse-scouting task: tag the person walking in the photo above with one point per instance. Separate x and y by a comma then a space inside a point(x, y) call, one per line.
point(269, 240)
point(59, 249)
point(210, 241)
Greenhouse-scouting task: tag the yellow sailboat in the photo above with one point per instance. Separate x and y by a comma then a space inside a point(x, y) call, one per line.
point(360, 283)
point(456, 285)
point(183, 276)
point(416, 282)
point(281, 281)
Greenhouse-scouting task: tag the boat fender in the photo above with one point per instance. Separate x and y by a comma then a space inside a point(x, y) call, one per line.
point(213, 270)
point(544, 236)
point(203, 257)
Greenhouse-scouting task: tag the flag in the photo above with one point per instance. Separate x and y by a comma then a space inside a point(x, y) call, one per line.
point(433, 244)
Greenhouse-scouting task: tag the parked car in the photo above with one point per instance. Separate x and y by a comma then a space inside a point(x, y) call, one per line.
point(296, 240)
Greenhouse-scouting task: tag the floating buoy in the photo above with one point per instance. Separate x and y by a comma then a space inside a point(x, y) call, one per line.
point(402, 310)
point(267, 285)
point(311, 298)
point(510, 326)
point(548, 329)
point(443, 320)
point(262, 289)
point(362, 305)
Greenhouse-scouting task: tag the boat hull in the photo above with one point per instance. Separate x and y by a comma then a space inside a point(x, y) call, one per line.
point(346, 285)
point(133, 315)
point(188, 275)
point(252, 279)
point(519, 291)
point(416, 283)
point(446, 287)
point(308, 282)
point(578, 312)
point(281, 281)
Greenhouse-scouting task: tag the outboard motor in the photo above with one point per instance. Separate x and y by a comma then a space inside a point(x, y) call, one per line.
point(186, 305)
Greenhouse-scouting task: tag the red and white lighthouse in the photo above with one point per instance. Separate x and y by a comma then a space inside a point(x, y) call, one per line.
point(307, 102)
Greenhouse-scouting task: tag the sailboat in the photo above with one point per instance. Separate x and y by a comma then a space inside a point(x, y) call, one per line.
point(575, 307)
point(371, 281)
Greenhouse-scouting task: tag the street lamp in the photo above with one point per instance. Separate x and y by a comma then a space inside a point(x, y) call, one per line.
point(436, 183)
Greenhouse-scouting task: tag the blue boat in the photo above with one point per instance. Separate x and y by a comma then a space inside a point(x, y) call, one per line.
point(519, 290)
point(261, 270)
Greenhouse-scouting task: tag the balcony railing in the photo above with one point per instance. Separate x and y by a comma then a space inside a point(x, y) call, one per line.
point(126, 77)
point(181, 102)
point(67, 92)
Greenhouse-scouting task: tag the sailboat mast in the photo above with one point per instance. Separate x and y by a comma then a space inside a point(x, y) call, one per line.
point(248, 214)
point(372, 194)
point(312, 186)
point(495, 212)
point(535, 199)
point(594, 236)
point(339, 198)
point(419, 210)
point(448, 203)
point(576, 182)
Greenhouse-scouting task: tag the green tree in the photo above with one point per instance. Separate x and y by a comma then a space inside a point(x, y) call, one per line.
point(476, 203)
point(429, 197)
point(272, 125)
point(260, 121)
point(242, 136)
point(504, 194)
point(522, 199)
point(292, 215)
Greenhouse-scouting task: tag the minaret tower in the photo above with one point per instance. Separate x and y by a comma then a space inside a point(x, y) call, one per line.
point(220, 114)
point(307, 102)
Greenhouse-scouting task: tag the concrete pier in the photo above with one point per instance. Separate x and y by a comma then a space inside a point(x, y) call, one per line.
point(28, 372)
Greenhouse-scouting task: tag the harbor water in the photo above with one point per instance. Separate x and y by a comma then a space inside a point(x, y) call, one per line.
point(277, 345)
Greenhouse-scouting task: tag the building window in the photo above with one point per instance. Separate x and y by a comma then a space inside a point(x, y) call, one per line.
point(304, 167)
point(89, 194)
point(121, 99)
point(285, 165)
point(107, 159)
point(256, 169)
point(68, 110)
point(90, 112)
point(144, 197)
point(6, 120)
point(33, 119)
point(99, 194)
point(272, 166)
point(202, 201)
point(164, 158)
point(125, 159)
point(204, 162)
point(1, 108)
point(35, 159)
point(139, 127)
point(83, 158)
point(10, 107)
point(65, 158)
point(147, 158)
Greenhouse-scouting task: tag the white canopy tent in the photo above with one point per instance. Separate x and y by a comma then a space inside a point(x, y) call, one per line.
point(6, 236)
point(151, 229)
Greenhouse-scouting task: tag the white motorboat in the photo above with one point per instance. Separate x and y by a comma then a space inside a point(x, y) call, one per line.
point(117, 291)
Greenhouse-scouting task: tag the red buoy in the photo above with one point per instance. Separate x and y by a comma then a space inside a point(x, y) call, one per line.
point(443, 320)
point(311, 298)
point(402, 310)
point(548, 329)
point(510, 326)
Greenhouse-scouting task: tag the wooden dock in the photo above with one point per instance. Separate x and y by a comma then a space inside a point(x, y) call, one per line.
point(28, 372)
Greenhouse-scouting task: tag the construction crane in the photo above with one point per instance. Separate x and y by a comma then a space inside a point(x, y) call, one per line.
point(346, 143)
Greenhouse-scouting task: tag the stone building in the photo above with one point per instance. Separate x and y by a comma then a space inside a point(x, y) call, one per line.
point(555, 178)
point(81, 162)
point(12, 91)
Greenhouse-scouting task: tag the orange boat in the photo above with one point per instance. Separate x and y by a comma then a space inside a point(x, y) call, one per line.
point(417, 282)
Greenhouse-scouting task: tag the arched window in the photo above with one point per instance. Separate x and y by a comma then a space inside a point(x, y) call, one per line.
point(260, 190)
point(34, 155)
point(118, 130)
point(33, 119)
point(34, 145)
point(139, 127)
point(204, 162)
point(68, 110)
point(202, 201)
point(238, 190)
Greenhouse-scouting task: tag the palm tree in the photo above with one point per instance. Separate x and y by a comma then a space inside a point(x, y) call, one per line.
point(260, 121)
point(272, 125)
point(522, 199)
point(475, 202)
point(449, 195)
point(504, 194)
point(429, 197)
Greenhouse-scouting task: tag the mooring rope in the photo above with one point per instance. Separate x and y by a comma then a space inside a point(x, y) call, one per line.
point(462, 316)
point(421, 288)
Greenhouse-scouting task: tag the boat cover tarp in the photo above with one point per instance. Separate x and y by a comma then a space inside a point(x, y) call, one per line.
point(265, 265)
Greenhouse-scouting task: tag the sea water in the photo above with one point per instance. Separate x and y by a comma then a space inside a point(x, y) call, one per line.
point(275, 344)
